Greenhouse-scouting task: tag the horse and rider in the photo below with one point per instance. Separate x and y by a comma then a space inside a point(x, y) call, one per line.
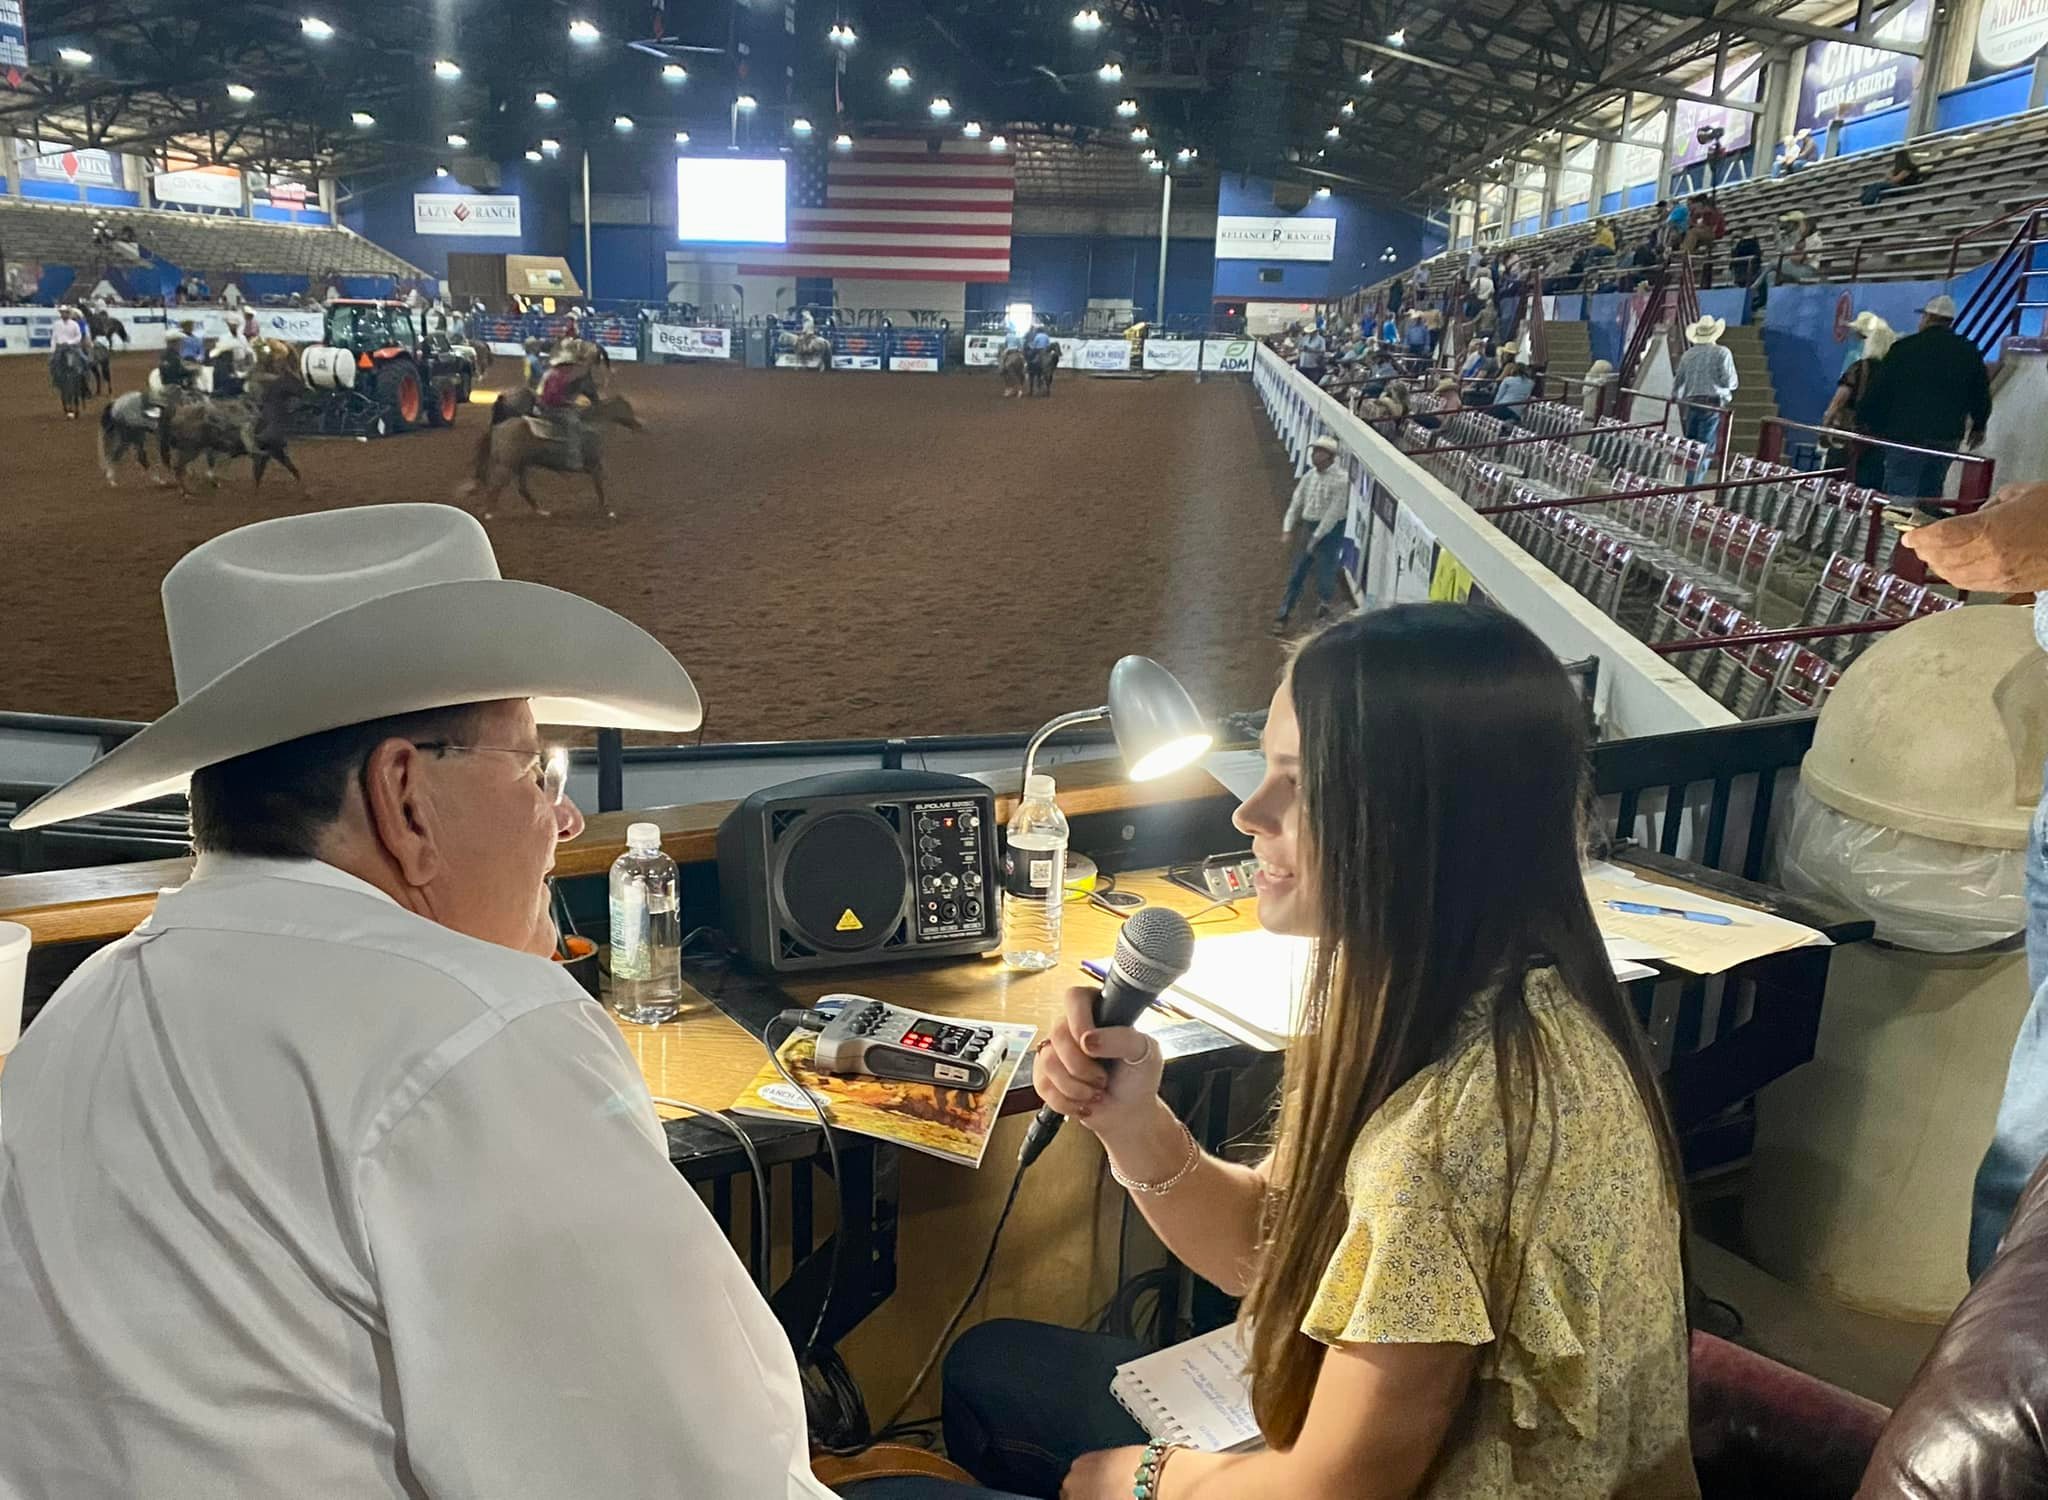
point(558, 427)
point(70, 363)
point(102, 331)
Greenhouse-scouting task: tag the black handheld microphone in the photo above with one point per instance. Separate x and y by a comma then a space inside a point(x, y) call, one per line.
point(1154, 949)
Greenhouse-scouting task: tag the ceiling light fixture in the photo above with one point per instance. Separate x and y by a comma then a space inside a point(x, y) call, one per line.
point(842, 142)
point(1155, 165)
point(315, 28)
point(241, 93)
point(1088, 20)
point(550, 146)
point(622, 122)
point(800, 126)
point(1322, 192)
point(1348, 110)
point(1148, 154)
point(533, 155)
point(457, 140)
point(1398, 37)
point(1334, 133)
point(1366, 78)
point(972, 130)
point(674, 73)
point(1127, 107)
point(1111, 72)
point(682, 137)
point(744, 103)
point(841, 35)
point(582, 32)
point(941, 107)
point(998, 143)
point(1186, 153)
point(545, 100)
point(362, 118)
point(1140, 133)
point(443, 68)
point(75, 57)
point(899, 78)
point(440, 171)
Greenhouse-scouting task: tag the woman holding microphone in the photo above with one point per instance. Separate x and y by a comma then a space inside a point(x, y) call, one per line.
point(1460, 1262)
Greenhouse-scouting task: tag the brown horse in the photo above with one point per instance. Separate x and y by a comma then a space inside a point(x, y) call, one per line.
point(1042, 363)
point(256, 424)
point(509, 449)
point(523, 400)
point(1013, 370)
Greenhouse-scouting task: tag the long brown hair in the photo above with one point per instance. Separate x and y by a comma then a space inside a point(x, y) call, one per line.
point(1442, 757)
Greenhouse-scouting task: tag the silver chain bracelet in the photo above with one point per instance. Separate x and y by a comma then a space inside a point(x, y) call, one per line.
point(1155, 1189)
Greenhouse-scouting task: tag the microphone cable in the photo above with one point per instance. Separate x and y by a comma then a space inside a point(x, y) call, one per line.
point(715, 1117)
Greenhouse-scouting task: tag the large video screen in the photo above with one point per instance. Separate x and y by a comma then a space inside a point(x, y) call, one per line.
point(732, 202)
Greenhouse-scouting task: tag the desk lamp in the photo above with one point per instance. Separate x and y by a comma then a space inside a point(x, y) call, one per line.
point(1158, 728)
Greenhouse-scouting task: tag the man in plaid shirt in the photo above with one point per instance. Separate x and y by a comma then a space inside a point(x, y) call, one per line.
point(1321, 498)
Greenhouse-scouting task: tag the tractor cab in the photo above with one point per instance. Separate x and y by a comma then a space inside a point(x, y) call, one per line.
point(376, 372)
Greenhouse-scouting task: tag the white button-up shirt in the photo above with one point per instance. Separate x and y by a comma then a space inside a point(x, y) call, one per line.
point(1322, 497)
point(302, 1194)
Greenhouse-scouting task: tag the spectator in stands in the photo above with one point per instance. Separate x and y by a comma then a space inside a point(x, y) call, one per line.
point(1603, 244)
point(1649, 254)
point(1447, 401)
point(1798, 259)
point(1705, 382)
point(1397, 292)
point(1321, 498)
point(333, 293)
point(1313, 353)
point(1799, 151)
point(1417, 340)
point(1746, 261)
point(1874, 338)
point(1930, 391)
point(1677, 224)
point(1709, 224)
point(1905, 172)
point(1515, 389)
point(231, 297)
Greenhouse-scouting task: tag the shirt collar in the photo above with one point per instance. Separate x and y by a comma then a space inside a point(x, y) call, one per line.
point(216, 866)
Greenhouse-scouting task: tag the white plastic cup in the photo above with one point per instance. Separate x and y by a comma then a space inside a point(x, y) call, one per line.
point(14, 946)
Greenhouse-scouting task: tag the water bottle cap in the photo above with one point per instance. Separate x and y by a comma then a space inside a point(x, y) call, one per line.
point(643, 838)
point(1038, 784)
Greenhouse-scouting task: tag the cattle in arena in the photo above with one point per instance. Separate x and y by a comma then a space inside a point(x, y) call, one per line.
point(255, 424)
point(571, 444)
point(1013, 372)
point(1041, 363)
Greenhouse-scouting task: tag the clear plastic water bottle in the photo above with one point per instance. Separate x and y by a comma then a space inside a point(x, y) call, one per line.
point(1034, 878)
point(647, 953)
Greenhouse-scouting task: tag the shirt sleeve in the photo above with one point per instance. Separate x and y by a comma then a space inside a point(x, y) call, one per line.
point(1294, 505)
point(563, 1314)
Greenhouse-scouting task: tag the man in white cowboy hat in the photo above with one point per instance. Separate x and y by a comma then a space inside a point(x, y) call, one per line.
point(1321, 497)
point(1705, 381)
point(325, 1180)
point(1931, 392)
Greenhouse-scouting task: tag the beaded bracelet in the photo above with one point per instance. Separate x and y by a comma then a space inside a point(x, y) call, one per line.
point(1146, 1485)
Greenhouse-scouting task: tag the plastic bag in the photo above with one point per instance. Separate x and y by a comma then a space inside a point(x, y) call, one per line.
point(1923, 893)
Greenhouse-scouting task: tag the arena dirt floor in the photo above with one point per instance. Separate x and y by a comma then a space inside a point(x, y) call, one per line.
point(849, 554)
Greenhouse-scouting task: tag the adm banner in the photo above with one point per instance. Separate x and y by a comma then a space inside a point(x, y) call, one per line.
point(690, 343)
point(1245, 237)
point(1228, 356)
point(475, 215)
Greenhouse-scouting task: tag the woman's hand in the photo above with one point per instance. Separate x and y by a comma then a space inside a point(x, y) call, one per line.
point(1116, 1102)
point(1103, 1475)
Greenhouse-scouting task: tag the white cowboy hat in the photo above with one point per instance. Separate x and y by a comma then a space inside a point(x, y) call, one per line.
point(311, 622)
point(1939, 307)
point(1328, 444)
point(1707, 330)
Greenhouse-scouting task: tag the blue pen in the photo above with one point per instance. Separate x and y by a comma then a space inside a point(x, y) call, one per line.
point(1639, 909)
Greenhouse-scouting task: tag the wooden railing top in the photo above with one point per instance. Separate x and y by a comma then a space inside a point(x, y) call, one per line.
point(103, 902)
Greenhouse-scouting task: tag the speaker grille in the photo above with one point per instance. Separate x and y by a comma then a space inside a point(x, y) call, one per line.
point(843, 881)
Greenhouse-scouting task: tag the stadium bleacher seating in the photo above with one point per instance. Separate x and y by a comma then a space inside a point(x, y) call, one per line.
point(1975, 175)
point(215, 246)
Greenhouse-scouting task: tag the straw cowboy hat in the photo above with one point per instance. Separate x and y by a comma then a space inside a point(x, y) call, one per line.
point(311, 622)
point(1707, 330)
point(1447, 386)
point(1793, 216)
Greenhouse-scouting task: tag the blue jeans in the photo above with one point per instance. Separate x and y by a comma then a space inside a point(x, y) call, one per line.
point(1022, 1402)
point(1702, 424)
point(1323, 557)
point(2020, 1139)
point(1915, 476)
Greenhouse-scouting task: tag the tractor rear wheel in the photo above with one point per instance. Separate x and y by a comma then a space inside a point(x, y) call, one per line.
point(400, 396)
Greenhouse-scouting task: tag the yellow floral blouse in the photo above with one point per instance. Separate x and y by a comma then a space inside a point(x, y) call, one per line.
point(1583, 1394)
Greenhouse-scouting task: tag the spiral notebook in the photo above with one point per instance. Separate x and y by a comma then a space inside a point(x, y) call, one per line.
point(1193, 1394)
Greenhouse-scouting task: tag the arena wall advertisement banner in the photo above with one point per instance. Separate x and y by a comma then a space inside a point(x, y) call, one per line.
point(473, 215)
point(914, 362)
point(2009, 32)
point(841, 361)
point(1172, 354)
point(199, 187)
point(983, 348)
point(1095, 354)
point(1845, 80)
point(1227, 356)
point(13, 40)
point(689, 343)
point(1250, 237)
point(25, 330)
point(48, 161)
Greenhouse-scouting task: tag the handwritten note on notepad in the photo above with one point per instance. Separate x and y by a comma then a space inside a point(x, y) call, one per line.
point(1193, 1394)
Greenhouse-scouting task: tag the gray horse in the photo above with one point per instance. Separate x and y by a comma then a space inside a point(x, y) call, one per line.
point(127, 423)
point(68, 371)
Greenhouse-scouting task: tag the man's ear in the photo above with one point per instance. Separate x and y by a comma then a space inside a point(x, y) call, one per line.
point(401, 810)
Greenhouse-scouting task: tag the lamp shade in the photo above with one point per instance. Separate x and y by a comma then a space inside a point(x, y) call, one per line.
point(1158, 728)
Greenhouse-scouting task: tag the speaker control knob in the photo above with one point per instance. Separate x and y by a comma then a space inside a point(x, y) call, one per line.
point(972, 879)
point(969, 821)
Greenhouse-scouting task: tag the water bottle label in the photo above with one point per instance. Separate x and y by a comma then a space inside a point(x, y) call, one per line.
point(1032, 872)
point(632, 956)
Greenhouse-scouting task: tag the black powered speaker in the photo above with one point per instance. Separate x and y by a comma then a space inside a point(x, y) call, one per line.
point(860, 867)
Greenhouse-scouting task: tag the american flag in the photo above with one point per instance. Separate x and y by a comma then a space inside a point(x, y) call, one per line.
point(897, 211)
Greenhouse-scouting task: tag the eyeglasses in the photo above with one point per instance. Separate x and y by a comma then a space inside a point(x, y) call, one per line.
point(549, 768)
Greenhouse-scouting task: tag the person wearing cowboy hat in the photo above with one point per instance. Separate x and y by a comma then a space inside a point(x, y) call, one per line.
point(1705, 381)
point(1931, 392)
point(1874, 339)
point(326, 1179)
point(1321, 498)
